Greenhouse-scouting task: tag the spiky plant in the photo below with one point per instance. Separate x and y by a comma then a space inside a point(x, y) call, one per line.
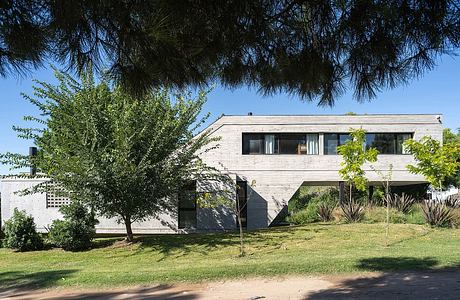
point(453, 201)
point(325, 212)
point(436, 213)
point(402, 203)
point(352, 211)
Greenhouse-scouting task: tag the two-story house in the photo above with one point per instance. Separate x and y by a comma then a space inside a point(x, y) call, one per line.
point(269, 158)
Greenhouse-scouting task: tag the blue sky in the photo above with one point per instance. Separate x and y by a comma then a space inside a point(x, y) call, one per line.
point(438, 91)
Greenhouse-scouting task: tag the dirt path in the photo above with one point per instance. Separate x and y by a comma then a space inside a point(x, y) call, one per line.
point(408, 285)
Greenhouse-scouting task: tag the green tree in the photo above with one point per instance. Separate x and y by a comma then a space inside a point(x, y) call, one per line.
point(126, 157)
point(435, 162)
point(452, 138)
point(354, 155)
point(311, 48)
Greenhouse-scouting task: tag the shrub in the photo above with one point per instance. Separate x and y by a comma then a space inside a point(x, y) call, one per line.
point(317, 204)
point(437, 213)
point(402, 203)
point(21, 233)
point(453, 201)
point(305, 216)
point(353, 211)
point(76, 231)
point(325, 212)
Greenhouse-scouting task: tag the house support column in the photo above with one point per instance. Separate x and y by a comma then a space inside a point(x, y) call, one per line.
point(341, 192)
point(371, 193)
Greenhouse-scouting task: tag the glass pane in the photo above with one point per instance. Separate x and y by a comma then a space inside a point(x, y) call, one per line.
point(330, 143)
point(187, 196)
point(290, 143)
point(312, 144)
point(343, 137)
point(385, 143)
point(400, 139)
point(253, 143)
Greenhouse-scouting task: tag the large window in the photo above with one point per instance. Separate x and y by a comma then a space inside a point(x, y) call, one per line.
point(385, 143)
point(280, 143)
point(187, 206)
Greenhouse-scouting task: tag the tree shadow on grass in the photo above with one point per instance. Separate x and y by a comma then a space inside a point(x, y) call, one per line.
point(17, 283)
point(180, 245)
point(402, 278)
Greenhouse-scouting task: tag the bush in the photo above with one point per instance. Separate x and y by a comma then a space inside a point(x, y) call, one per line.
point(437, 213)
point(402, 203)
point(304, 216)
point(353, 211)
point(76, 231)
point(318, 206)
point(21, 233)
point(325, 212)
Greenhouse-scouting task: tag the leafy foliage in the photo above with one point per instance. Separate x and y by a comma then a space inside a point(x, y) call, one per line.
point(76, 231)
point(21, 233)
point(354, 156)
point(318, 205)
point(437, 213)
point(452, 138)
point(310, 48)
point(124, 156)
point(434, 161)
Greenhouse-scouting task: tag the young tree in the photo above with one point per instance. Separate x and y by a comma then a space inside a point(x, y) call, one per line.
point(354, 156)
point(314, 49)
point(126, 157)
point(229, 196)
point(386, 182)
point(434, 161)
point(450, 137)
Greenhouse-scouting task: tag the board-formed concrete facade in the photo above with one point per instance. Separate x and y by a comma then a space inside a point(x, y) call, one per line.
point(271, 179)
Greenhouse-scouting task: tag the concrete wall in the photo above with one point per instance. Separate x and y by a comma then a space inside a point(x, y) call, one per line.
point(275, 178)
point(35, 204)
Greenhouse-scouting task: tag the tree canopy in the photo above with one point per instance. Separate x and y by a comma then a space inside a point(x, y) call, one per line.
point(314, 49)
point(125, 157)
point(434, 161)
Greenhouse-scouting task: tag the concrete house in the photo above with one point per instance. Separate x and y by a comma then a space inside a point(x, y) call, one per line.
point(269, 158)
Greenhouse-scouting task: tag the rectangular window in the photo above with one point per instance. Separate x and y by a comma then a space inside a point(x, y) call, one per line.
point(187, 206)
point(253, 143)
point(242, 194)
point(280, 143)
point(333, 140)
point(54, 195)
point(387, 143)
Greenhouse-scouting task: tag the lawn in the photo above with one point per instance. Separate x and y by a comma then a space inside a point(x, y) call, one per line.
point(311, 249)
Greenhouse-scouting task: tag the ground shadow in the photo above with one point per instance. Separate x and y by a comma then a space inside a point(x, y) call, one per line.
point(154, 293)
point(403, 278)
point(21, 282)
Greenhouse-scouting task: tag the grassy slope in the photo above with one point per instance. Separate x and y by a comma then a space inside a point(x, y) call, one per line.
point(312, 249)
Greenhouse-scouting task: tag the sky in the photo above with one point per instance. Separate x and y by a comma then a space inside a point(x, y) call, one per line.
point(438, 92)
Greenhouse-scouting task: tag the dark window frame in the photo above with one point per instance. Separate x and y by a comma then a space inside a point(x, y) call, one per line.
point(395, 135)
point(181, 210)
point(242, 184)
point(243, 144)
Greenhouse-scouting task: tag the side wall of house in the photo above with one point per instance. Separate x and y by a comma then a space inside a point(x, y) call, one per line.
point(36, 205)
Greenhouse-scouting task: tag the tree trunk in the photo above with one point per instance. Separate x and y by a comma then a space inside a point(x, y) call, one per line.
point(387, 196)
point(129, 231)
point(240, 224)
point(351, 189)
point(241, 234)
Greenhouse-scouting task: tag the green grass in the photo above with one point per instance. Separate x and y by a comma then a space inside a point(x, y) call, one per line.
point(311, 249)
